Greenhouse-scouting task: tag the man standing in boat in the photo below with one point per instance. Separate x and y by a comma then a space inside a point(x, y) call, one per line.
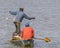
point(19, 17)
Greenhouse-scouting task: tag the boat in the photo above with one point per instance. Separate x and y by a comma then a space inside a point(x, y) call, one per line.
point(22, 43)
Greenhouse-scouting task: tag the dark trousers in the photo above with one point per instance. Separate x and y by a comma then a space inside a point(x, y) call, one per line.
point(17, 25)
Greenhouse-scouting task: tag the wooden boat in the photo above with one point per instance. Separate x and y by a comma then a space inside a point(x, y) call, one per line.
point(22, 43)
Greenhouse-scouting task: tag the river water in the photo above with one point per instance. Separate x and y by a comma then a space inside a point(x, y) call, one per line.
point(46, 24)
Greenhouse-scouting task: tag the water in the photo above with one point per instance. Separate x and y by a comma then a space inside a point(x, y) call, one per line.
point(46, 24)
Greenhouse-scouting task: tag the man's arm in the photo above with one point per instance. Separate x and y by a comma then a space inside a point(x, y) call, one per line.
point(29, 18)
point(12, 13)
point(26, 17)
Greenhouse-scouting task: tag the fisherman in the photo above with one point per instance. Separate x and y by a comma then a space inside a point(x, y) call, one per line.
point(27, 33)
point(19, 17)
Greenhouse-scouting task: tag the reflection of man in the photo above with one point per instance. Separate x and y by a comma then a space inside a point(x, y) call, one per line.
point(19, 17)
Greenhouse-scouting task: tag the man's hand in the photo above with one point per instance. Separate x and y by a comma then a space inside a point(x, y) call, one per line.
point(9, 11)
point(33, 17)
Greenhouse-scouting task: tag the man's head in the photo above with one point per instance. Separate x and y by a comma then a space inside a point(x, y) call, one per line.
point(27, 24)
point(21, 9)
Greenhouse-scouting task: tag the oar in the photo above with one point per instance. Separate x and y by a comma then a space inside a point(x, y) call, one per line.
point(45, 39)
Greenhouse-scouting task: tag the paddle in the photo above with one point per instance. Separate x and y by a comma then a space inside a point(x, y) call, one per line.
point(45, 39)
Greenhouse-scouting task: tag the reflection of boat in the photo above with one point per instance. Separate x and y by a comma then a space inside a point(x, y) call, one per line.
point(22, 42)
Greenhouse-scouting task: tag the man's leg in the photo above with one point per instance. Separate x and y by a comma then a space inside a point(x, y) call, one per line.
point(17, 25)
point(18, 28)
point(15, 28)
